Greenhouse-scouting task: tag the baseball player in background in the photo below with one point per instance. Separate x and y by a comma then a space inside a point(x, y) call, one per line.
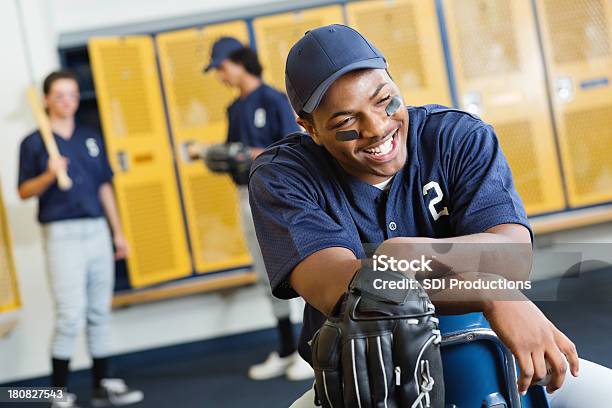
point(260, 116)
point(77, 241)
point(370, 170)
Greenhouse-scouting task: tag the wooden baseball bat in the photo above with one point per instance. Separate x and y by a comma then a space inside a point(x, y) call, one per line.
point(63, 181)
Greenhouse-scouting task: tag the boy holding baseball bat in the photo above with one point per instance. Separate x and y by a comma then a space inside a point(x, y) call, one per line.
point(75, 216)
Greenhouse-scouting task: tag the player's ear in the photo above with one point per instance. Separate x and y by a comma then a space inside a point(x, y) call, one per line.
point(309, 127)
point(45, 103)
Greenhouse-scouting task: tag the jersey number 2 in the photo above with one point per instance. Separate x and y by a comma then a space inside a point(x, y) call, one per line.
point(432, 185)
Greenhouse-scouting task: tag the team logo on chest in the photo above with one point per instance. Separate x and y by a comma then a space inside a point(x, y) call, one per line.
point(259, 119)
point(92, 147)
point(433, 190)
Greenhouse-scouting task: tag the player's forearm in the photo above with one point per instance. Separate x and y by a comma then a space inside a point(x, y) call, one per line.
point(324, 276)
point(36, 186)
point(504, 251)
point(493, 257)
point(459, 300)
point(107, 198)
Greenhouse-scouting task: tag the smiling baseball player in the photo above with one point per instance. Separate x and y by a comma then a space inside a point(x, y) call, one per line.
point(370, 170)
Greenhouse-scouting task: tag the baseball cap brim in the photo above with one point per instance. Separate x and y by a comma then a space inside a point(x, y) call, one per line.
point(316, 97)
point(214, 64)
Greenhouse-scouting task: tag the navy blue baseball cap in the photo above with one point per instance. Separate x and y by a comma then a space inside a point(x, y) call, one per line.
point(221, 49)
point(320, 57)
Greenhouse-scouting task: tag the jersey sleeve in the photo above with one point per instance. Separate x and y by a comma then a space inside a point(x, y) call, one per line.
point(483, 194)
point(290, 224)
point(107, 171)
point(28, 162)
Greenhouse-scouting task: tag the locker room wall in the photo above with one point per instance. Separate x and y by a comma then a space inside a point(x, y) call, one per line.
point(70, 15)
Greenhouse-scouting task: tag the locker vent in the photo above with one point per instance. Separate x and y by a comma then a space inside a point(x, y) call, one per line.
point(393, 30)
point(217, 222)
point(279, 39)
point(578, 29)
point(516, 140)
point(152, 237)
point(588, 137)
point(196, 94)
point(487, 44)
point(127, 93)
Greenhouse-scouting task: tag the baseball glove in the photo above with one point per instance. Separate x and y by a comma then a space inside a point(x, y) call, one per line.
point(232, 158)
point(379, 347)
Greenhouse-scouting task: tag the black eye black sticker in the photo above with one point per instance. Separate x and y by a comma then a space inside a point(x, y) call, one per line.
point(346, 135)
point(393, 106)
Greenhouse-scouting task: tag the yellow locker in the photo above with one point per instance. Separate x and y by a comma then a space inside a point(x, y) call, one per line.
point(576, 37)
point(9, 290)
point(276, 34)
point(499, 76)
point(197, 105)
point(406, 31)
point(132, 117)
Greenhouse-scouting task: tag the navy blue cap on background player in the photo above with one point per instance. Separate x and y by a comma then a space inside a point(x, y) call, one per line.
point(322, 56)
point(221, 50)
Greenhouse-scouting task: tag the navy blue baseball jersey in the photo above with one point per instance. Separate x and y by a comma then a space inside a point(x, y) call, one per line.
point(88, 168)
point(263, 117)
point(455, 182)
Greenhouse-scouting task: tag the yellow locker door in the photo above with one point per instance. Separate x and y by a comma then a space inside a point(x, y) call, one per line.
point(499, 75)
point(135, 133)
point(9, 290)
point(276, 34)
point(576, 35)
point(406, 32)
point(197, 105)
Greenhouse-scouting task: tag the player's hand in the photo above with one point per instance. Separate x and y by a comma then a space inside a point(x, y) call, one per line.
point(533, 340)
point(196, 151)
point(122, 249)
point(57, 164)
point(256, 151)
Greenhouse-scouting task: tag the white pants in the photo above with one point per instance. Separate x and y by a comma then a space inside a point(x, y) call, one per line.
point(79, 258)
point(592, 389)
point(280, 307)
